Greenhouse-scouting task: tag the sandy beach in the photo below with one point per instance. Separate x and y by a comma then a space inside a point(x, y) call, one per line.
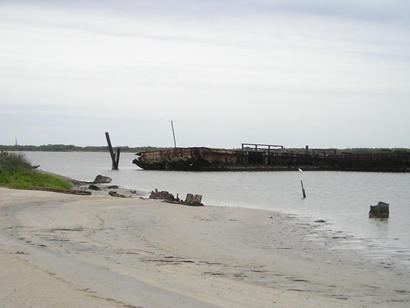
point(97, 251)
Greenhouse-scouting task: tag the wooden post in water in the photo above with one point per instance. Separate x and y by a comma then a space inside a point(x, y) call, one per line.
point(117, 158)
point(301, 183)
point(303, 190)
point(114, 161)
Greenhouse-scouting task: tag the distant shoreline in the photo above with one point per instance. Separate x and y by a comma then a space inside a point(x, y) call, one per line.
point(74, 148)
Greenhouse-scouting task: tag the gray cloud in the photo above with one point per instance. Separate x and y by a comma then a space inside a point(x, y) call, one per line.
point(226, 72)
point(364, 9)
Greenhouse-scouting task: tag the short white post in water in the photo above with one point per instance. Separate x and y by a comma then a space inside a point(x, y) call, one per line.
point(301, 183)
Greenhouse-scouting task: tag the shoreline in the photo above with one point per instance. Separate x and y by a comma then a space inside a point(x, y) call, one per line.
point(210, 256)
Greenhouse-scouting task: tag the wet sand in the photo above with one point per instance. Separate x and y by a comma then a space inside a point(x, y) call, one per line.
point(98, 251)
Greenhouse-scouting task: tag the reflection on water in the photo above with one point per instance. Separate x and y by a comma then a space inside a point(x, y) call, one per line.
point(379, 227)
point(340, 198)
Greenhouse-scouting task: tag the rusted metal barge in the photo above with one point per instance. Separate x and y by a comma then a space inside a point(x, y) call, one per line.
point(265, 157)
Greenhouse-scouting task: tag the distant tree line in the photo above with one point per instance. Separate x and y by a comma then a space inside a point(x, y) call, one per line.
point(334, 150)
point(72, 148)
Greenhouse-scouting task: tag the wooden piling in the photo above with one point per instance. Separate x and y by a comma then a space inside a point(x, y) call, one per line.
point(113, 159)
point(303, 190)
point(117, 158)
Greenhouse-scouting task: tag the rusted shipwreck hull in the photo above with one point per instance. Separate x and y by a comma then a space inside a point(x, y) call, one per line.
point(207, 159)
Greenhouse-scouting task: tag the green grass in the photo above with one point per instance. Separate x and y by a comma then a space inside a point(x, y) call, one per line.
point(16, 172)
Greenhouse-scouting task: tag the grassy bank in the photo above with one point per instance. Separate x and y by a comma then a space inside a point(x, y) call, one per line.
point(16, 172)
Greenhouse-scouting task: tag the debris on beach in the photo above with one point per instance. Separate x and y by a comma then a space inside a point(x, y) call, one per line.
point(113, 187)
point(191, 199)
point(163, 195)
point(99, 187)
point(101, 179)
point(381, 210)
point(118, 195)
point(94, 187)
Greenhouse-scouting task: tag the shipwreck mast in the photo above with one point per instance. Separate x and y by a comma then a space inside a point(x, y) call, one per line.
point(173, 133)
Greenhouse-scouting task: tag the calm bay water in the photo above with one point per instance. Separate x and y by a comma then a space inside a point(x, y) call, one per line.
point(340, 198)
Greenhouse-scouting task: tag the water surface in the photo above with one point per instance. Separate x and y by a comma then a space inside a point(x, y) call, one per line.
point(340, 198)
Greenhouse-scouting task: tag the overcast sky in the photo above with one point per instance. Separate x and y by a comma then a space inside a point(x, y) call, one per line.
point(318, 72)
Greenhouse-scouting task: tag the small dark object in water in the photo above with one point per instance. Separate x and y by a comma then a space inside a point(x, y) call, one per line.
point(101, 179)
point(115, 194)
point(94, 187)
point(381, 210)
point(320, 221)
point(35, 166)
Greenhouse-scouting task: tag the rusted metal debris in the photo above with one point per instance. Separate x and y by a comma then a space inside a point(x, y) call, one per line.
point(272, 158)
point(191, 199)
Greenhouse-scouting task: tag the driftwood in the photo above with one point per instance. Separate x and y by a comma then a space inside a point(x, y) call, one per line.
point(381, 210)
point(116, 194)
point(113, 187)
point(94, 187)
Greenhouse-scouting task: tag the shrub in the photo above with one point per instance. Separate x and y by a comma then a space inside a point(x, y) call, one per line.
point(16, 172)
point(13, 161)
